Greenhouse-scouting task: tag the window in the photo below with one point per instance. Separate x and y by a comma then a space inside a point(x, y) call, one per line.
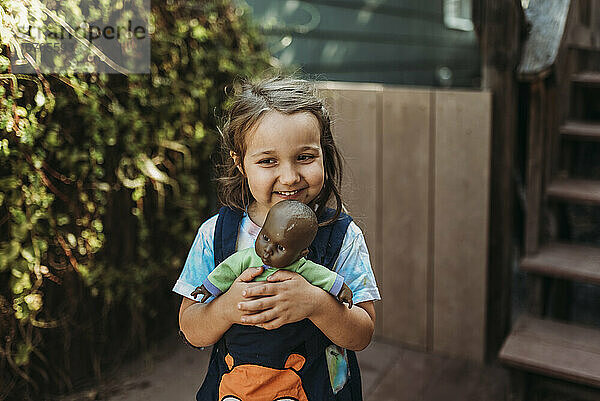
point(457, 15)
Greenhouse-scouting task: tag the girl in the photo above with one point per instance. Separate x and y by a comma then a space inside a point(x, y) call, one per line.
point(279, 145)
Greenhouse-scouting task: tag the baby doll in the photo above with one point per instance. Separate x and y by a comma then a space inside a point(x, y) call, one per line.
point(282, 243)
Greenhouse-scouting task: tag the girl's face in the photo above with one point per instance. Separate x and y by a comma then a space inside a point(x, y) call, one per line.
point(283, 160)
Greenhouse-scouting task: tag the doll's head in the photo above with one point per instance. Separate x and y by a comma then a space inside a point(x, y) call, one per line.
point(252, 102)
point(289, 229)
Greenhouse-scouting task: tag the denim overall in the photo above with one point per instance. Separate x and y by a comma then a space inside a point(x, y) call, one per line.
point(271, 348)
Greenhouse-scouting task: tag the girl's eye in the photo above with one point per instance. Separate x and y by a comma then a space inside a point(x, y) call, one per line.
point(266, 161)
point(265, 238)
point(303, 158)
point(280, 248)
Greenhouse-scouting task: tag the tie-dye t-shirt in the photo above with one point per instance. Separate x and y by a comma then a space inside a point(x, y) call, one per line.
point(352, 263)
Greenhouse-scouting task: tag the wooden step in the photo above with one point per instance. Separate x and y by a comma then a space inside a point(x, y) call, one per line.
point(575, 190)
point(559, 350)
point(572, 262)
point(588, 78)
point(581, 130)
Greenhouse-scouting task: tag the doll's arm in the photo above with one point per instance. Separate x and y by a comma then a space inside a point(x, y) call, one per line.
point(221, 278)
point(201, 291)
point(345, 295)
point(326, 279)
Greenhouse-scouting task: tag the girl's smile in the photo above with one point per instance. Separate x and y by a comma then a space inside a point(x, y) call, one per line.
point(283, 160)
point(290, 194)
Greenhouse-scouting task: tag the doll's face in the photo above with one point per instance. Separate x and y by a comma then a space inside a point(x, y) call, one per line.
point(282, 240)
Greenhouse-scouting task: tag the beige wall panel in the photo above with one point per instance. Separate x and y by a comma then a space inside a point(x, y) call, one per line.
point(405, 203)
point(354, 113)
point(461, 192)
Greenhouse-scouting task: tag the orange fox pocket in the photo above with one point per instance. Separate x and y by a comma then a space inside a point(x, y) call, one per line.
point(260, 383)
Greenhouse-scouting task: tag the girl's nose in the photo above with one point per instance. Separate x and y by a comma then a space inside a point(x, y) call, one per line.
point(289, 175)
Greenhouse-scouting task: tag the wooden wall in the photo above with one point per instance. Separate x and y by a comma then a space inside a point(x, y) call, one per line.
point(417, 183)
point(388, 41)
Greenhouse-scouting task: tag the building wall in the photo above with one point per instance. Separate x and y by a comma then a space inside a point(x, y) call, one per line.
point(385, 41)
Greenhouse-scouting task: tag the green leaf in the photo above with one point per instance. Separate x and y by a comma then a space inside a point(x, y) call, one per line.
point(72, 240)
point(8, 253)
point(22, 355)
point(34, 301)
point(4, 63)
point(21, 111)
point(40, 99)
point(19, 231)
point(28, 255)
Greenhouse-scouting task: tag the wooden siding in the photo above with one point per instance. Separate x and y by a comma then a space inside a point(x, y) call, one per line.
point(354, 113)
point(406, 168)
point(461, 191)
point(418, 185)
point(358, 40)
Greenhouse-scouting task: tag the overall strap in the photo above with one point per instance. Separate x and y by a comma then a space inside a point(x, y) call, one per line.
point(224, 242)
point(226, 232)
point(327, 244)
point(325, 250)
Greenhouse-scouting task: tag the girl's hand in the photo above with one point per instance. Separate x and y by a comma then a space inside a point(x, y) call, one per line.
point(205, 324)
point(285, 298)
point(234, 295)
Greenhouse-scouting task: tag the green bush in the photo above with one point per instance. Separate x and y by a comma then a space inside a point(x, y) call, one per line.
point(103, 181)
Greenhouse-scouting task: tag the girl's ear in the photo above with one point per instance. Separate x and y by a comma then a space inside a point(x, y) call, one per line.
point(237, 161)
point(304, 252)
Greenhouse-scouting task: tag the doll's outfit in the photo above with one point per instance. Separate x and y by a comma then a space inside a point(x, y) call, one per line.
point(297, 360)
point(220, 279)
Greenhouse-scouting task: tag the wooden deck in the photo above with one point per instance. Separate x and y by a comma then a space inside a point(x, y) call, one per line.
point(389, 373)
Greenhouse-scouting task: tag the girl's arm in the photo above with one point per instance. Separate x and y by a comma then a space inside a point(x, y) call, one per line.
point(348, 328)
point(287, 297)
point(204, 324)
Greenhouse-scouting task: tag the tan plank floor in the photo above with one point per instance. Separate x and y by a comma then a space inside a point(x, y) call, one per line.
point(389, 373)
point(392, 373)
